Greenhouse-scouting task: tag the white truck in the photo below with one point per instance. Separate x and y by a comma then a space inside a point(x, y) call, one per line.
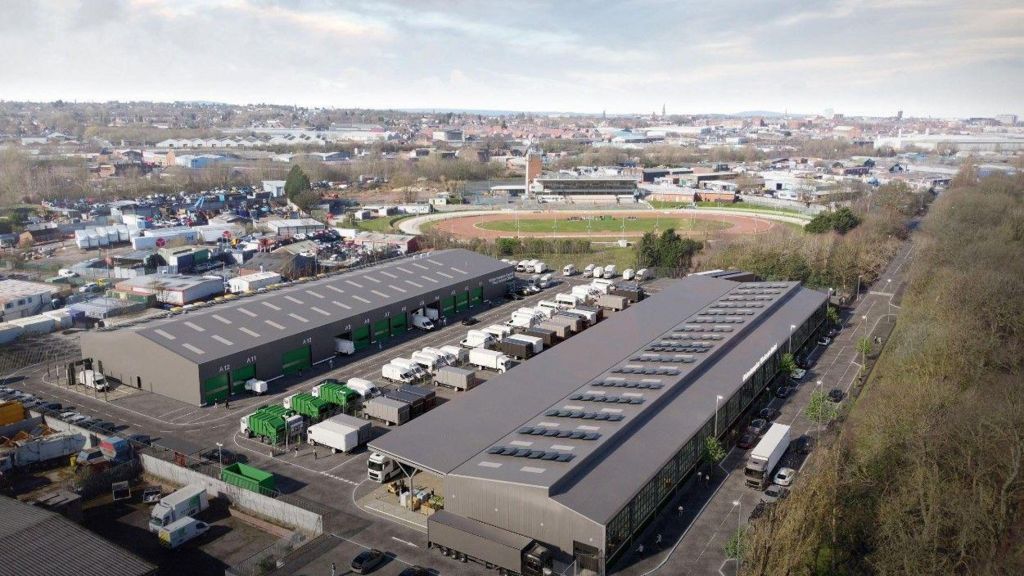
point(381, 469)
point(256, 386)
point(569, 270)
point(498, 331)
point(540, 267)
point(429, 362)
point(603, 286)
point(422, 322)
point(584, 293)
point(569, 300)
point(410, 364)
point(460, 354)
point(765, 456)
point(489, 359)
point(628, 274)
point(642, 274)
point(186, 502)
point(180, 531)
point(93, 379)
point(597, 272)
point(341, 433)
point(535, 342)
point(363, 387)
point(450, 358)
point(477, 339)
point(522, 320)
point(588, 271)
point(344, 346)
point(397, 374)
point(610, 271)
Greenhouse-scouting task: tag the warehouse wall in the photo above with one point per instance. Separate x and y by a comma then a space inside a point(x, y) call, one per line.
point(127, 356)
point(245, 500)
point(525, 510)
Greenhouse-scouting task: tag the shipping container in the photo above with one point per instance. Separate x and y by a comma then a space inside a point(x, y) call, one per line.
point(457, 378)
point(249, 478)
point(387, 410)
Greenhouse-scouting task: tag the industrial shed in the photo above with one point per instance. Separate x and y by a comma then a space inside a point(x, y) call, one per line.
point(203, 356)
point(578, 448)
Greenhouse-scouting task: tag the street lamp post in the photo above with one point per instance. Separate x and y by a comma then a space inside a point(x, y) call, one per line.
point(864, 319)
point(888, 289)
point(792, 327)
point(739, 526)
point(220, 455)
point(819, 416)
point(718, 399)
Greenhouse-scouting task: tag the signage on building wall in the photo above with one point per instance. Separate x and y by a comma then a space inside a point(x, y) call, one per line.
point(760, 362)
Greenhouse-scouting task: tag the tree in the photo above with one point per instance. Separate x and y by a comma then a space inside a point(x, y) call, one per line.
point(296, 182)
point(788, 364)
point(820, 409)
point(306, 200)
point(713, 451)
point(832, 313)
point(864, 347)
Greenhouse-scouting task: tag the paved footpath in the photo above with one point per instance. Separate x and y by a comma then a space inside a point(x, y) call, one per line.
point(693, 542)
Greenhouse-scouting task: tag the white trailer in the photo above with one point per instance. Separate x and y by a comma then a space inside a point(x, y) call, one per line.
point(765, 456)
point(341, 433)
point(489, 359)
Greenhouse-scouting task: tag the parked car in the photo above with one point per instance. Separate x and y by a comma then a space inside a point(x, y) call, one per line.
point(757, 426)
point(802, 361)
point(68, 415)
point(367, 561)
point(803, 445)
point(774, 492)
point(470, 321)
point(105, 426)
point(220, 455)
point(783, 392)
point(50, 406)
point(747, 441)
point(414, 571)
point(835, 395)
point(768, 414)
point(143, 439)
point(798, 375)
point(824, 341)
point(784, 477)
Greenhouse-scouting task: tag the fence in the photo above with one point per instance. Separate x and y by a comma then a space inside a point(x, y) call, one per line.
point(275, 509)
point(267, 560)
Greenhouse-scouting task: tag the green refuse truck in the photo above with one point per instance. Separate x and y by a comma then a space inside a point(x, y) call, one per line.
point(337, 393)
point(271, 424)
point(245, 476)
point(313, 408)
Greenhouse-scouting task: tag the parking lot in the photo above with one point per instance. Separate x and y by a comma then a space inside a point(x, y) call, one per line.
point(331, 484)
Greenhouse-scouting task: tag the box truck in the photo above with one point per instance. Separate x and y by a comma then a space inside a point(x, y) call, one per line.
point(93, 379)
point(456, 378)
point(628, 274)
point(464, 538)
point(344, 346)
point(450, 358)
point(765, 456)
point(561, 330)
point(536, 344)
point(588, 271)
point(187, 501)
point(363, 387)
point(461, 354)
point(419, 399)
point(568, 300)
point(341, 433)
point(387, 410)
point(498, 331)
point(180, 531)
point(548, 337)
point(597, 272)
point(410, 364)
point(515, 348)
point(612, 302)
point(430, 362)
point(256, 387)
point(477, 339)
point(489, 359)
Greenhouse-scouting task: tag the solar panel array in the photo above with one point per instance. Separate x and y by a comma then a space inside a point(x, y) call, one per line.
point(608, 398)
point(641, 385)
point(554, 433)
point(583, 415)
point(662, 370)
point(531, 454)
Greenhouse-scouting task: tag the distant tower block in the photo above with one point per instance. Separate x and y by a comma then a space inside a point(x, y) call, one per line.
point(662, 110)
point(533, 168)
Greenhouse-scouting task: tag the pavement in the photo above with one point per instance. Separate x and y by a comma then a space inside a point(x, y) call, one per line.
point(693, 542)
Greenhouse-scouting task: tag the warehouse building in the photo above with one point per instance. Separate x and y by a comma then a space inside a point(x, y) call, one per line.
point(575, 451)
point(202, 356)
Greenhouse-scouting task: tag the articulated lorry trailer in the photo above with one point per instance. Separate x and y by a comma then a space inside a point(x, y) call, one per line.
point(765, 457)
point(467, 539)
point(341, 433)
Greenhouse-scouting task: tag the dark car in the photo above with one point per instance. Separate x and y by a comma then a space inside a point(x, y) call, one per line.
point(747, 441)
point(143, 439)
point(471, 321)
point(802, 361)
point(768, 414)
point(222, 456)
point(367, 561)
point(803, 445)
point(757, 426)
point(105, 426)
point(783, 392)
point(835, 395)
point(50, 406)
point(414, 571)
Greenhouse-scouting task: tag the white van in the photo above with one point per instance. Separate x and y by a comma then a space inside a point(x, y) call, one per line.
point(569, 270)
point(93, 379)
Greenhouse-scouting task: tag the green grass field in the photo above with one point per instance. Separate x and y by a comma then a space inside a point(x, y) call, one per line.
point(386, 225)
point(605, 225)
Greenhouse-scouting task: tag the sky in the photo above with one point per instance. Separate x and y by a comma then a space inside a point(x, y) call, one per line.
point(858, 57)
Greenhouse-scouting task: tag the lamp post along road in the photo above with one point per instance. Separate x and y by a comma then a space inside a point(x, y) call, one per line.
point(717, 400)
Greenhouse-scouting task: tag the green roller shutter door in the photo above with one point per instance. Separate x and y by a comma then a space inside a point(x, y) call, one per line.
point(239, 376)
point(215, 389)
point(476, 296)
point(462, 301)
point(398, 324)
point(295, 360)
point(361, 337)
point(448, 305)
point(381, 330)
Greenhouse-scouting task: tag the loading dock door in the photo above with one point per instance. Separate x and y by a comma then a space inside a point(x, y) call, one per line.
point(361, 337)
point(239, 376)
point(381, 330)
point(215, 389)
point(462, 301)
point(448, 305)
point(295, 360)
point(398, 325)
point(476, 296)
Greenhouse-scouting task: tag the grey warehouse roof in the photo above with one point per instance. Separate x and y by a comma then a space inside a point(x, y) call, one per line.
point(228, 328)
point(34, 541)
point(607, 408)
